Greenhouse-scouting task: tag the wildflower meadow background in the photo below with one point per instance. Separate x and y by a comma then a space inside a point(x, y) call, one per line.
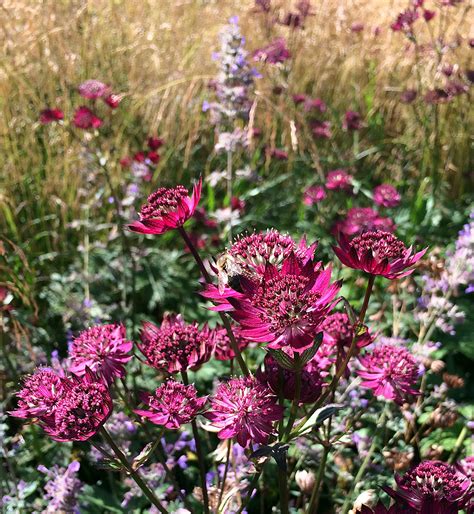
point(236, 257)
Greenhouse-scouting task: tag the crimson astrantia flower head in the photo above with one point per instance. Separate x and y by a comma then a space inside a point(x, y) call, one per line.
point(93, 89)
point(154, 143)
point(378, 253)
point(103, 348)
point(405, 21)
point(113, 100)
point(339, 179)
point(287, 306)
point(173, 404)
point(432, 487)
point(386, 196)
point(275, 53)
point(50, 116)
point(314, 194)
point(248, 257)
point(284, 380)
point(244, 408)
point(339, 333)
point(83, 407)
point(167, 209)
point(39, 394)
point(175, 346)
point(220, 341)
point(352, 121)
point(390, 371)
point(362, 219)
point(321, 129)
point(84, 118)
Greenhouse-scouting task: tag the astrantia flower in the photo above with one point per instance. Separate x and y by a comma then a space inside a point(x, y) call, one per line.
point(361, 219)
point(339, 332)
point(50, 116)
point(390, 371)
point(93, 89)
point(84, 118)
point(287, 306)
point(321, 129)
point(408, 96)
point(154, 143)
point(314, 194)
point(432, 487)
point(244, 408)
point(248, 257)
point(352, 121)
point(275, 53)
point(173, 404)
point(113, 100)
point(222, 348)
point(103, 348)
point(405, 21)
point(386, 196)
point(378, 253)
point(62, 489)
point(167, 209)
point(339, 179)
point(83, 407)
point(283, 381)
point(39, 394)
point(175, 346)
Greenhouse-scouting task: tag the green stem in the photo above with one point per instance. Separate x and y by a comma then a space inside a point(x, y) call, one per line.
point(458, 445)
point(133, 473)
point(200, 454)
point(283, 486)
point(368, 292)
point(229, 190)
point(316, 494)
point(365, 463)
point(223, 316)
point(296, 400)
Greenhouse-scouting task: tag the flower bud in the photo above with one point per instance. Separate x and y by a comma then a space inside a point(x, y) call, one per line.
point(368, 498)
point(305, 480)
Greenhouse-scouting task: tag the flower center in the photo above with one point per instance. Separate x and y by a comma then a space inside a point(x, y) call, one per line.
point(383, 245)
point(163, 201)
point(285, 300)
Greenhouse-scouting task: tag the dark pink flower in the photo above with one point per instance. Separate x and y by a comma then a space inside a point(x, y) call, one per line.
point(113, 100)
point(173, 404)
point(311, 104)
point(314, 194)
point(408, 96)
point(84, 118)
point(428, 15)
point(283, 381)
point(361, 219)
point(279, 154)
point(68, 408)
point(378, 253)
point(299, 99)
point(175, 346)
point(287, 306)
point(390, 371)
point(275, 53)
point(220, 341)
point(352, 121)
point(167, 209)
point(39, 394)
point(432, 487)
point(339, 180)
point(83, 407)
point(339, 333)
point(386, 196)
point(246, 409)
point(50, 116)
point(126, 161)
point(357, 26)
point(405, 21)
point(154, 143)
point(321, 129)
point(103, 348)
point(154, 157)
point(93, 89)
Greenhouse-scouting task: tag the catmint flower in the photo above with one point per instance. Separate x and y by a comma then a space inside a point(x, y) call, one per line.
point(62, 489)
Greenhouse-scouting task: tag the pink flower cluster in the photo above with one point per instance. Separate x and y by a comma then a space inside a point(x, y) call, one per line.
point(69, 408)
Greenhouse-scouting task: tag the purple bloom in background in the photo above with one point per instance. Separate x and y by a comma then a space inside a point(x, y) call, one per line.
point(352, 121)
point(62, 489)
point(386, 195)
point(93, 89)
point(339, 180)
point(274, 53)
point(408, 96)
point(321, 129)
point(314, 194)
